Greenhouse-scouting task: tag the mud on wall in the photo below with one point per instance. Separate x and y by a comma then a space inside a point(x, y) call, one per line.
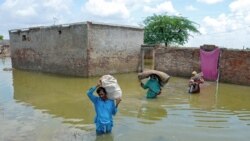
point(4, 48)
point(83, 49)
point(4, 51)
point(234, 66)
point(57, 49)
point(113, 49)
point(177, 61)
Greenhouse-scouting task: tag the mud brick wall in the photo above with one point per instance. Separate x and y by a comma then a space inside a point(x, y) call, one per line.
point(81, 49)
point(234, 66)
point(113, 49)
point(56, 49)
point(177, 61)
point(4, 48)
point(4, 51)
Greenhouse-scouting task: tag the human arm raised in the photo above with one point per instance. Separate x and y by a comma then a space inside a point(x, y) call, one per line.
point(91, 91)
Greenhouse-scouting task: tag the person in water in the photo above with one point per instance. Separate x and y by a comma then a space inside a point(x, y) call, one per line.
point(194, 82)
point(153, 86)
point(105, 109)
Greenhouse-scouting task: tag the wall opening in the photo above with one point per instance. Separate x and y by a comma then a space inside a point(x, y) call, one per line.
point(147, 57)
point(24, 37)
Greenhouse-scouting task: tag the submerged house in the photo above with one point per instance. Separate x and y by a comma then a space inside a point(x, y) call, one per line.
point(79, 49)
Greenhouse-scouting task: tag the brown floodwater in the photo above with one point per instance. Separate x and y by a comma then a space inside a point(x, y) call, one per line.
point(45, 107)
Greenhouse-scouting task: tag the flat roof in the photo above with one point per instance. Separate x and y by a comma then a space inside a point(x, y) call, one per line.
point(116, 25)
point(76, 23)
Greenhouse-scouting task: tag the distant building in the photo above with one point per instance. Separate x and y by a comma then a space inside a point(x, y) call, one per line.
point(4, 43)
point(4, 48)
point(80, 49)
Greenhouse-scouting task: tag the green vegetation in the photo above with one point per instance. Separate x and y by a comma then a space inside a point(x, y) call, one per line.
point(1, 37)
point(167, 29)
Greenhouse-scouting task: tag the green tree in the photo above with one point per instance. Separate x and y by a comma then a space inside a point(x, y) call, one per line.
point(1, 37)
point(168, 29)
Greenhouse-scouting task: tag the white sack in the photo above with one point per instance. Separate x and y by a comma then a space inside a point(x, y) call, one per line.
point(111, 86)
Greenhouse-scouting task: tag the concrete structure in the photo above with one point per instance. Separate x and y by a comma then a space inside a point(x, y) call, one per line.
point(234, 66)
point(80, 49)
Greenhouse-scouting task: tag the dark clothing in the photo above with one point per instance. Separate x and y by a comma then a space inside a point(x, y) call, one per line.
point(194, 84)
point(194, 88)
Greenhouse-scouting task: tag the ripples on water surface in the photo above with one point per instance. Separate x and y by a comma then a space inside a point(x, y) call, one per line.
point(38, 106)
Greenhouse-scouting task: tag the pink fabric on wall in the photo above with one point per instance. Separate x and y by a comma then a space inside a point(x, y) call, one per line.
point(209, 63)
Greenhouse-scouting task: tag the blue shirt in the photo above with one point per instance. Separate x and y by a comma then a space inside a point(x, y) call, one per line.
point(104, 109)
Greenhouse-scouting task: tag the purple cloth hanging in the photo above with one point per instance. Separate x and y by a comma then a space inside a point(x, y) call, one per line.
point(209, 63)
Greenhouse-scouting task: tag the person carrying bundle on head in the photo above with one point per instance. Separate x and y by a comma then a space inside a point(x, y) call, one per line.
point(106, 103)
point(194, 82)
point(157, 79)
point(153, 85)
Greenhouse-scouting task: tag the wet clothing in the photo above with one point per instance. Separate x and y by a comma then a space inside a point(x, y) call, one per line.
point(104, 109)
point(194, 88)
point(153, 87)
point(194, 84)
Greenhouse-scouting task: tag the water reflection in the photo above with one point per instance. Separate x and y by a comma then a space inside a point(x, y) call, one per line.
point(38, 106)
point(229, 97)
point(106, 137)
point(65, 96)
point(151, 111)
point(216, 109)
point(60, 96)
point(134, 103)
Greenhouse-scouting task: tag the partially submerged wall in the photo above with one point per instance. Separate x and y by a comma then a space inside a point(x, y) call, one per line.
point(113, 49)
point(56, 49)
point(177, 61)
point(234, 65)
point(83, 49)
point(4, 51)
point(4, 48)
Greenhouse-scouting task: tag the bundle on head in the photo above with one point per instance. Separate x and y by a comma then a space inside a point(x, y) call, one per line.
point(162, 76)
point(111, 86)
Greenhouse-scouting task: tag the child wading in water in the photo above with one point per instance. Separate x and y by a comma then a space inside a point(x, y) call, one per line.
point(194, 82)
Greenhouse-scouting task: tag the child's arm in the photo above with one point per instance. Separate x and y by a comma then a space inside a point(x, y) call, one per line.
point(201, 80)
point(90, 94)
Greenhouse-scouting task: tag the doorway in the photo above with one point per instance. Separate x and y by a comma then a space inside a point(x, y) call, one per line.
point(147, 57)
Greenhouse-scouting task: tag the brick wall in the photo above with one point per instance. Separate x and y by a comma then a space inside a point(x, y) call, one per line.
point(113, 49)
point(56, 49)
point(80, 49)
point(234, 64)
point(177, 61)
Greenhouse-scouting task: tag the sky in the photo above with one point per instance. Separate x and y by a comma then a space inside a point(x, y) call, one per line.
point(225, 23)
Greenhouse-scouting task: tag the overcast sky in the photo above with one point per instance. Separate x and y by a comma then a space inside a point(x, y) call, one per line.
point(225, 23)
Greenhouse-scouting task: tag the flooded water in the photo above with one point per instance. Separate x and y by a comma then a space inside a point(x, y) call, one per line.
point(44, 107)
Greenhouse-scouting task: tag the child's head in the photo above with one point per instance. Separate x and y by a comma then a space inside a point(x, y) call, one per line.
point(101, 92)
point(194, 73)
